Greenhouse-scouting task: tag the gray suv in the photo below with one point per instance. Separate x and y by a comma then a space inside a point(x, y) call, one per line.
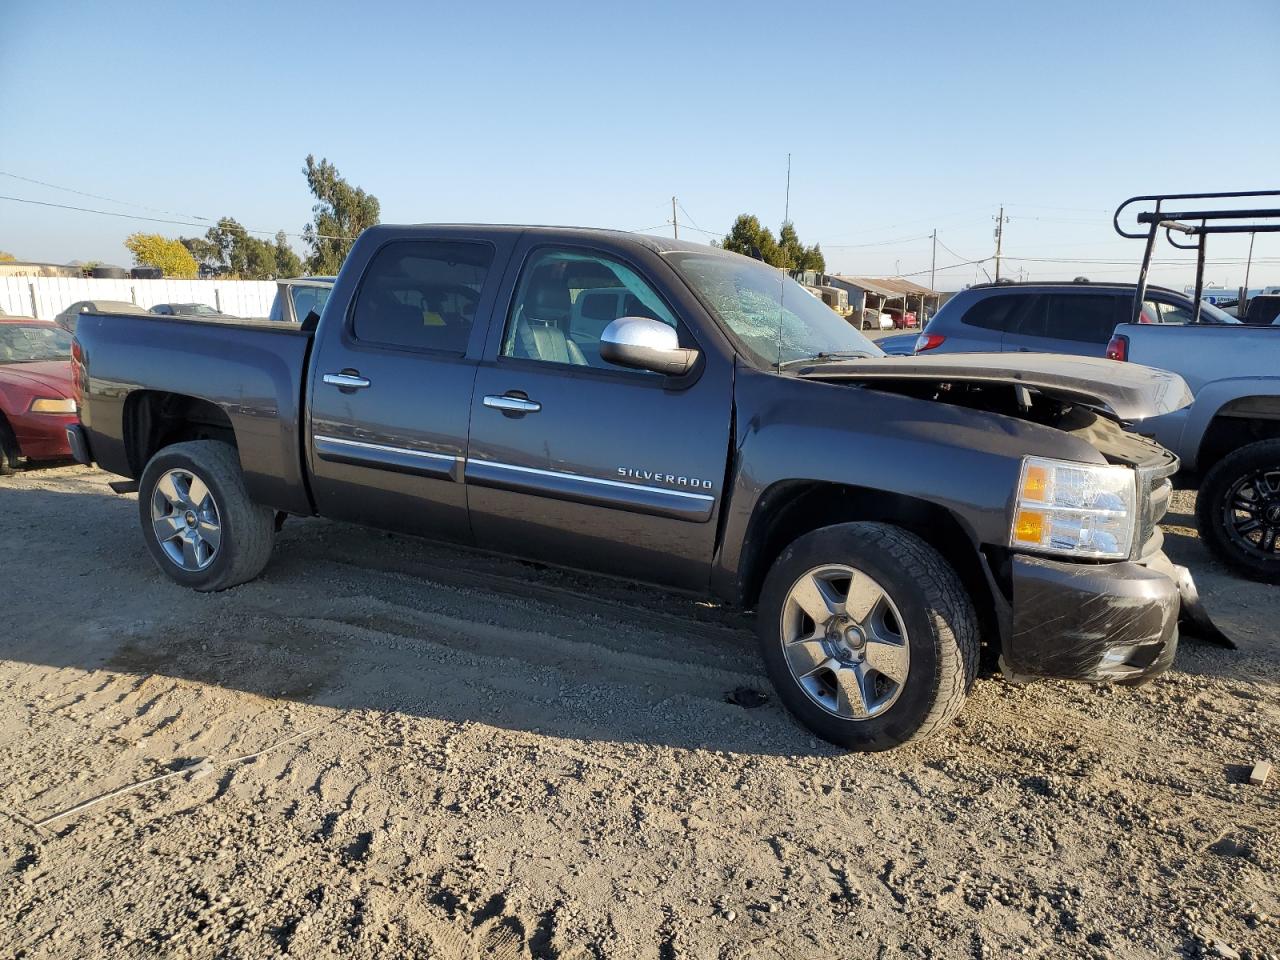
point(1070, 317)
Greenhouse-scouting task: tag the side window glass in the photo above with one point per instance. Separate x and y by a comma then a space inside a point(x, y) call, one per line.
point(565, 299)
point(1086, 318)
point(1172, 313)
point(421, 295)
point(995, 313)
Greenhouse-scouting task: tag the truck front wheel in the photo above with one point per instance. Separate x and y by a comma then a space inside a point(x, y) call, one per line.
point(1238, 510)
point(868, 635)
point(197, 519)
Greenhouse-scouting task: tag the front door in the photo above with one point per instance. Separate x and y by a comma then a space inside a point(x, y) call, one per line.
point(578, 462)
point(391, 392)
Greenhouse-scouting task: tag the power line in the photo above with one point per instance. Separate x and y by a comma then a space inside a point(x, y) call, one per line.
point(876, 243)
point(182, 223)
point(96, 196)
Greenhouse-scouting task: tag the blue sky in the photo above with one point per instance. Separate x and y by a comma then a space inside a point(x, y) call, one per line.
point(900, 117)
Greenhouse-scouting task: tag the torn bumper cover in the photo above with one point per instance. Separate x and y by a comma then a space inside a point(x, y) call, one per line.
point(1095, 622)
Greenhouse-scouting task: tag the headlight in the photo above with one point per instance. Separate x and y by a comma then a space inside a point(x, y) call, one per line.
point(1076, 509)
point(51, 405)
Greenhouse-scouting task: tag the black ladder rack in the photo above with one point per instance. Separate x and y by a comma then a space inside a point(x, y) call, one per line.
point(1193, 223)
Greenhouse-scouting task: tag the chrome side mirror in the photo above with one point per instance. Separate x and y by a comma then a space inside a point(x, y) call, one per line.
point(643, 343)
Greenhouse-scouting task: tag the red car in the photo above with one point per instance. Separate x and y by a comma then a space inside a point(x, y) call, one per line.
point(36, 398)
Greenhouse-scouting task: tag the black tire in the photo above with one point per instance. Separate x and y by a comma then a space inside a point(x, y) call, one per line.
point(8, 449)
point(935, 610)
point(247, 529)
point(1258, 560)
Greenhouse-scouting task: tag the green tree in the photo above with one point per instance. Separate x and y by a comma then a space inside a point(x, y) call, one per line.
point(6, 257)
point(288, 263)
point(341, 212)
point(751, 239)
point(794, 255)
point(153, 250)
point(230, 250)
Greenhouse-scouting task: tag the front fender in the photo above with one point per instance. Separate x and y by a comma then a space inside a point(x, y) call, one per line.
point(963, 461)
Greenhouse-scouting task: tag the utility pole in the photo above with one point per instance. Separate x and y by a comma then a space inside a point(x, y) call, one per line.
point(675, 224)
point(1001, 220)
point(933, 261)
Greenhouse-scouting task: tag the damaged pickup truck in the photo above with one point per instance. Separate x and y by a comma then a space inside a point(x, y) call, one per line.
point(678, 415)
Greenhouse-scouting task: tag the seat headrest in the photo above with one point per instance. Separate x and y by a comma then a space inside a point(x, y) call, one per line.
point(548, 295)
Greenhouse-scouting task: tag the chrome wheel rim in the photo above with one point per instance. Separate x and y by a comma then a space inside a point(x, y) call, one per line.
point(185, 520)
point(844, 642)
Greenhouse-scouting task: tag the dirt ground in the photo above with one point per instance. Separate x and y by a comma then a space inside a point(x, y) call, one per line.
point(416, 751)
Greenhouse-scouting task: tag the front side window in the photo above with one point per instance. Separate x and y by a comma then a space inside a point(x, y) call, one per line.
point(421, 295)
point(773, 318)
point(565, 299)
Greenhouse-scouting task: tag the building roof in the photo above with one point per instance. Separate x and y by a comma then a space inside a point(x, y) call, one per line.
point(891, 287)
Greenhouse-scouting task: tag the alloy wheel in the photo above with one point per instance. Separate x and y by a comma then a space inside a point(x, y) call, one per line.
point(844, 642)
point(184, 517)
point(1251, 512)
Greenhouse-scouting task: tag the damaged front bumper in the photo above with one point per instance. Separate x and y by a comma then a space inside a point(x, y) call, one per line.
point(1093, 622)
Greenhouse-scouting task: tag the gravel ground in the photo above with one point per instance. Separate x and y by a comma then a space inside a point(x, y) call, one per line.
point(402, 749)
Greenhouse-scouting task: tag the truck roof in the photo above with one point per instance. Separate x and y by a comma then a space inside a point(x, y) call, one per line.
point(657, 244)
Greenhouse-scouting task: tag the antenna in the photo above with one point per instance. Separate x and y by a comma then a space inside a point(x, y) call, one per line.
point(786, 209)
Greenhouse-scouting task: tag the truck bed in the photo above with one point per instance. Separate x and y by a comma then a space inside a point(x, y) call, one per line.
point(253, 370)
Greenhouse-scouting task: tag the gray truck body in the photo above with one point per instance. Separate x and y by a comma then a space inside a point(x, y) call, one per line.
point(695, 482)
point(1233, 373)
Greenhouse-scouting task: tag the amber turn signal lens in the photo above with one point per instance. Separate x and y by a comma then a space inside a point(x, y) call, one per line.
point(1035, 483)
point(1028, 527)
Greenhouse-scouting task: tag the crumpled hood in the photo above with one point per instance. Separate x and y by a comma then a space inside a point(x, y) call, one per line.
point(1127, 391)
point(53, 376)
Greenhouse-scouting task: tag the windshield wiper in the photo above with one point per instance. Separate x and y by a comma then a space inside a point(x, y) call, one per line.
point(826, 356)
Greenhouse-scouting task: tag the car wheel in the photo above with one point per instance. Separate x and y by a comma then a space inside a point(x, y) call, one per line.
point(1238, 510)
point(8, 449)
point(868, 635)
point(197, 519)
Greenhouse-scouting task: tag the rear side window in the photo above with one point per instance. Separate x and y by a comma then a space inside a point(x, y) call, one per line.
point(422, 295)
point(307, 299)
point(997, 313)
point(1085, 318)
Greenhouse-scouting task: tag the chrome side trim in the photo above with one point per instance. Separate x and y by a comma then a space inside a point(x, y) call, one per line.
point(380, 456)
point(595, 491)
point(607, 483)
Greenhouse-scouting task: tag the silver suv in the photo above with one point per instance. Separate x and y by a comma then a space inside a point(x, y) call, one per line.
point(1074, 317)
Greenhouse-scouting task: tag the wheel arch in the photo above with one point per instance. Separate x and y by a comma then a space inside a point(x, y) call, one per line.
point(154, 419)
point(1238, 422)
point(790, 509)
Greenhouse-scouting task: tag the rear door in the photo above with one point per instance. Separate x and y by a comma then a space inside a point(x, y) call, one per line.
point(581, 463)
point(391, 388)
point(1068, 322)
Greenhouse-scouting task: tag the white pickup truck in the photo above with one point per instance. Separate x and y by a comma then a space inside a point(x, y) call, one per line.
point(1230, 434)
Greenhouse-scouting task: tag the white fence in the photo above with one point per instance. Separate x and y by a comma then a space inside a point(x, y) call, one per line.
point(46, 297)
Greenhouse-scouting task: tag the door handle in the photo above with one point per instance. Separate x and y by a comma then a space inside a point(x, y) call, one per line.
point(351, 381)
point(512, 404)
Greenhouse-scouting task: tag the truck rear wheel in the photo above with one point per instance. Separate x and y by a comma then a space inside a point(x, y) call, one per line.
point(1238, 510)
point(197, 519)
point(868, 635)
